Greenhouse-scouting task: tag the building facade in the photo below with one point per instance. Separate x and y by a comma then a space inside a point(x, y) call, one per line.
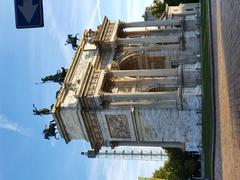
point(182, 10)
point(136, 84)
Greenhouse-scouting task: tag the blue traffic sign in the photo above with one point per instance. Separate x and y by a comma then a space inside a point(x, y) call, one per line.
point(28, 13)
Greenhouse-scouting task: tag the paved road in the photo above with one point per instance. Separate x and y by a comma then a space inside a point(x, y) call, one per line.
point(226, 39)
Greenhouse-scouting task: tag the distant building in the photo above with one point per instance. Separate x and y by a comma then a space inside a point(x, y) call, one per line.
point(182, 10)
point(135, 84)
point(171, 12)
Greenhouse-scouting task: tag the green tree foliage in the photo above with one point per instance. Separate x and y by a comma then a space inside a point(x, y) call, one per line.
point(179, 166)
point(158, 8)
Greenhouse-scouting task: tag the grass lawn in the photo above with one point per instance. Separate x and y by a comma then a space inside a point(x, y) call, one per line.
point(206, 80)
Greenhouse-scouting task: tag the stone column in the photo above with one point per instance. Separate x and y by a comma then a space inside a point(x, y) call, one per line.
point(160, 104)
point(169, 95)
point(153, 144)
point(148, 40)
point(146, 72)
point(168, 22)
point(162, 81)
point(150, 32)
point(167, 47)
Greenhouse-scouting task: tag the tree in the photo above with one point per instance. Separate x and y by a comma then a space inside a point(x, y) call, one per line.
point(179, 166)
point(158, 8)
point(161, 173)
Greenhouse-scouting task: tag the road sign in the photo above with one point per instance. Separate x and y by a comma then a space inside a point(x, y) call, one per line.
point(28, 13)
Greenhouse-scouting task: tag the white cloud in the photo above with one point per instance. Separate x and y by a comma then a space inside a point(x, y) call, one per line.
point(96, 11)
point(12, 126)
point(99, 11)
point(91, 22)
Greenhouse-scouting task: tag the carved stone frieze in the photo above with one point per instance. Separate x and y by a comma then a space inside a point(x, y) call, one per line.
point(94, 127)
point(118, 126)
point(109, 32)
point(93, 83)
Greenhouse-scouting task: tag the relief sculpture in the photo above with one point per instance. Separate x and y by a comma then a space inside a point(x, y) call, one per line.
point(118, 126)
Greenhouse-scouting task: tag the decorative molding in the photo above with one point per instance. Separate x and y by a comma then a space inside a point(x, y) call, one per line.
point(109, 32)
point(93, 129)
point(93, 83)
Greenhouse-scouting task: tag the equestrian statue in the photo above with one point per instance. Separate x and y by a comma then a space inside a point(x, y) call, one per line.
point(72, 40)
point(50, 131)
point(58, 77)
point(42, 111)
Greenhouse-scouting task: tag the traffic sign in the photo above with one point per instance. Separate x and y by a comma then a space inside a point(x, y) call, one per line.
point(28, 13)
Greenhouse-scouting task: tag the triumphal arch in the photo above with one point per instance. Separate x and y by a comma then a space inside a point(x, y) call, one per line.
point(135, 84)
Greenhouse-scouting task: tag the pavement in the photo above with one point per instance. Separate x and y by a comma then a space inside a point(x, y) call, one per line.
point(226, 52)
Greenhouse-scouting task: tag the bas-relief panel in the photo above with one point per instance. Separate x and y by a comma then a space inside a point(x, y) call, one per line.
point(79, 72)
point(86, 58)
point(118, 126)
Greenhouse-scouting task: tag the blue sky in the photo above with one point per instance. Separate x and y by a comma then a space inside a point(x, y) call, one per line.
point(26, 56)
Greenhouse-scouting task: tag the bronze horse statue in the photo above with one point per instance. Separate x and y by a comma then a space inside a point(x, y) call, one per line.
point(42, 111)
point(58, 77)
point(72, 40)
point(50, 131)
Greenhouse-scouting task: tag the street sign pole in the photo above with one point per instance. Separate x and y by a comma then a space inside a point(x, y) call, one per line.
point(28, 13)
